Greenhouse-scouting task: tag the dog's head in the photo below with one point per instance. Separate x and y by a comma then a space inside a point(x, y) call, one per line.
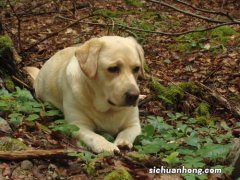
point(112, 64)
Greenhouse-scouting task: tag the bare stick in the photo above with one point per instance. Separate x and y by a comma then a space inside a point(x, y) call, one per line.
point(21, 82)
point(177, 34)
point(187, 13)
point(205, 10)
point(155, 32)
point(35, 153)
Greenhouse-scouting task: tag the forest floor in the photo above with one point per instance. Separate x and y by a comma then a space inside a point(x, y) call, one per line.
point(40, 28)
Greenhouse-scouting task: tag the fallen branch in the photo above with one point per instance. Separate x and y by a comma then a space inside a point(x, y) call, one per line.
point(205, 10)
point(186, 12)
point(121, 26)
point(221, 100)
point(35, 153)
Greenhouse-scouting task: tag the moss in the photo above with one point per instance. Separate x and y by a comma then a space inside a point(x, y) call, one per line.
point(203, 109)
point(216, 38)
point(222, 33)
point(11, 144)
point(135, 3)
point(108, 13)
point(150, 15)
point(118, 174)
point(9, 83)
point(205, 120)
point(138, 156)
point(169, 94)
point(5, 43)
point(189, 86)
point(146, 68)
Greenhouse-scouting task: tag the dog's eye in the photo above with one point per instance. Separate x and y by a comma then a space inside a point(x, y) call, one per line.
point(136, 69)
point(114, 69)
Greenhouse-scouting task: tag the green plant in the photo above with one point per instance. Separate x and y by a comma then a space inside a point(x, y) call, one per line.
point(203, 109)
point(163, 93)
point(63, 127)
point(178, 141)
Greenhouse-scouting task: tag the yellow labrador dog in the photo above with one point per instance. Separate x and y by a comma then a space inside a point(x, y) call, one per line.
point(95, 87)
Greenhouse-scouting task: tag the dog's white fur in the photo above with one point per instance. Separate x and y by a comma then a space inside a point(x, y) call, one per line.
point(77, 81)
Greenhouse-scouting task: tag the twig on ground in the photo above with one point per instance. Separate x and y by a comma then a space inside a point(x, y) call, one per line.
point(187, 12)
point(205, 10)
point(221, 100)
point(35, 153)
point(127, 28)
point(21, 82)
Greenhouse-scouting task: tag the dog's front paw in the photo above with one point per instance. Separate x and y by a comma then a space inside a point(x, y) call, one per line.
point(105, 146)
point(123, 143)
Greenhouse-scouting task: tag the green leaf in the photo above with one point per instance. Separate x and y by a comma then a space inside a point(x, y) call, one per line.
point(186, 151)
point(3, 103)
point(108, 137)
point(224, 169)
point(193, 141)
point(169, 146)
point(193, 162)
point(32, 117)
point(214, 151)
point(84, 156)
point(52, 113)
point(64, 127)
point(148, 130)
point(16, 118)
point(174, 116)
point(172, 158)
point(151, 148)
point(189, 176)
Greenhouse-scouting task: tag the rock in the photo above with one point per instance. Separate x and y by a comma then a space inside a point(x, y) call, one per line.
point(4, 126)
point(19, 173)
point(26, 165)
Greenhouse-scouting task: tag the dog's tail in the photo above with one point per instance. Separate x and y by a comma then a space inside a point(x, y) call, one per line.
point(32, 72)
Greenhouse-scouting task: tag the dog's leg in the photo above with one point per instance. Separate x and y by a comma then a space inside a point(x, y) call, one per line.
point(96, 142)
point(86, 132)
point(128, 135)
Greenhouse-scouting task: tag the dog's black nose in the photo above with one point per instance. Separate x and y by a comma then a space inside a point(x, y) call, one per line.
point(131, 97)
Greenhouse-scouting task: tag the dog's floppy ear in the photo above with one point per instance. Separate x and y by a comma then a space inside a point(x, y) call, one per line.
point(87, 56)
point(142, 59)
point(141, 56)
